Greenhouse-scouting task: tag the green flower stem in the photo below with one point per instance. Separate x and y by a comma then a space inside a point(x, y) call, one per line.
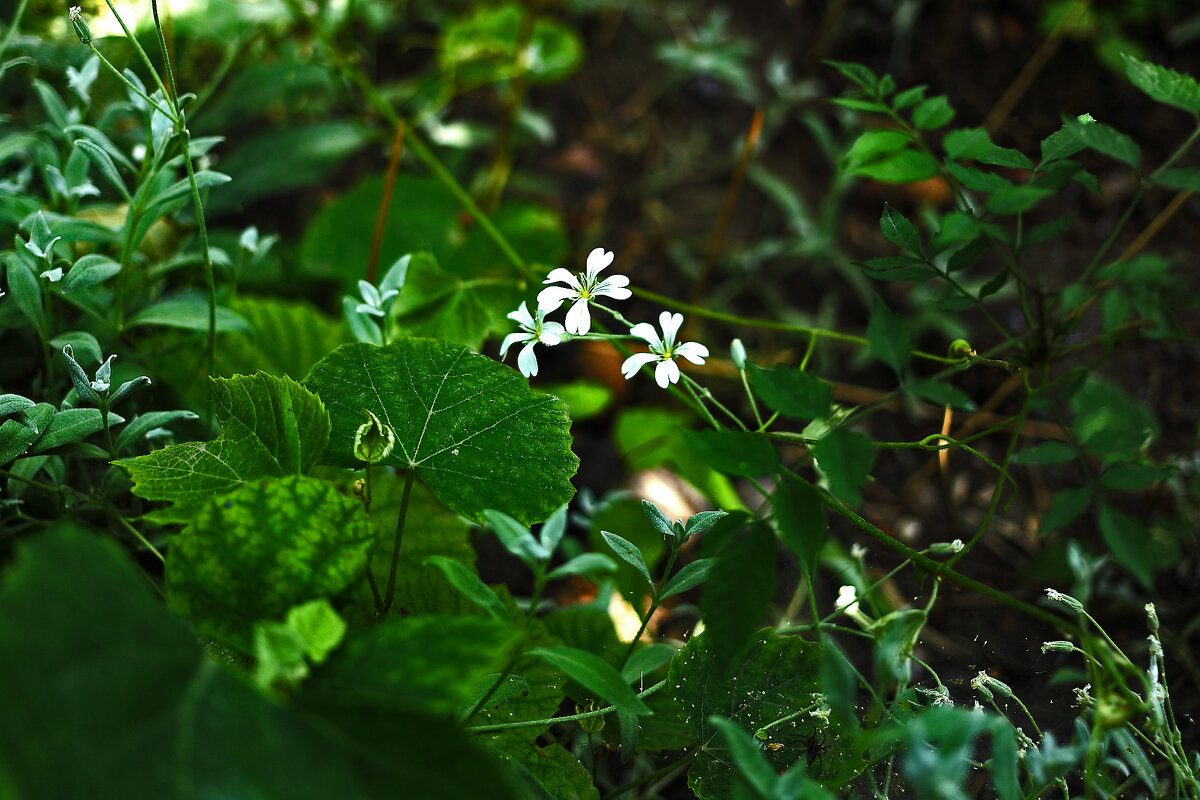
point(391, 584)
point(108, 440)
point(131, 86)
point(1002, 468)
point(761, 733)
point(209, 279)
point(416, 146)
point(138, 535)
point(534, 723)
point(733, 319)
point(375, 596)
point(700, 403)
point(758, 420)
point(702, 393)
point(654, 602)
point(938, 567)
point(141, 52)
point(616, 314)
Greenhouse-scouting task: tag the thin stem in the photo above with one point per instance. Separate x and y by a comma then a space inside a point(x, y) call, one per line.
point(138, 46)
point(669, 768)
point(534, 723)
point(654, 601)
point(12, 28)
point(375, 596)
point(758, 420)
point(138, 535)
point(6, 475)
point(733, 319)
point(391, 584)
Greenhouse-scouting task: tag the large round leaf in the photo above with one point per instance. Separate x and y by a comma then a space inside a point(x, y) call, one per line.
point(473, 430)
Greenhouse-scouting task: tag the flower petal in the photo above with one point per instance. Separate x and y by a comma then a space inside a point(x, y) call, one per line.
point(692, 351)
point(670, 326)
point(551, 334)
point(579, 319)
point(522, 316)
point(666, 372)
point(560, 275)
point(551, 298)
point(510, 340)
point(635, 362)
point(644, 330)
point(597, 260)
point(527, 361)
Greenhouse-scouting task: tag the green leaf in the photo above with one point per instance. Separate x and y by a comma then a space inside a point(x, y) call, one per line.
point(516, 538)
point(15, 439)
point(26, 291)
point(142, 424)
point(584, 398)
point(896, 635)
point(939, 748)
point(843, 459)
point(1046, 454)
point(467, 582)
point(974, 144)
point(1127, 540)
point(1014, 199)
point(104, 162)
point(1106, 140)
point(1063, 143)
point(71, 426)
point(255, 552)
point(733, 452)
point(595, 675)
point(1185, 179)
point(319, 626)
point(885, 155)
point(12, 403)
point(691, 576)
point(583, 564)
point(1004, 761)
point(629, 553)
point(791, 391)
point(473, 430)
point(889, 336)
point(426, 663)
point(510, 686)
point(83, 343)
point(482, 46)
point(551, 773)
point(994, 284)
point(1108, 422)
point(1064, 508)
point(773, 677)
point(899, 231)
point(1131, 752)
point(860, 74)
point(90, 270)
point(269, 427)
point(860, 104)
point(909, 97)
point(738, 593)
point(148, 685)
point(441, 305)
point(287, 338)
point(1129, 477)
point(800, 520)
point(188, 313)
point(647, 659)
point(747, 756)
point(897, 268)
point(1051, 230)
point(1164, 85)
point(932, 113)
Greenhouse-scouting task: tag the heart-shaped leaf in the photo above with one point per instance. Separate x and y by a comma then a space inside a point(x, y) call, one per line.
point(473, 430)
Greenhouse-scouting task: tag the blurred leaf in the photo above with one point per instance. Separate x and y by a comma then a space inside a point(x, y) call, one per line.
point(1064, 508)
point(1164, 85)
point(482, 47)
point(974, 144)
point(791, 391)
point(594, 674)
point(886, 155)
point(942, 394)
point(932, 113)
point(188, 313)
point(467, 582)
point(738, 593)
point(1129, 477)
point(994, 284)
point(424, 663)
point(473, 455)
point(1004, 761)
point(969, 255)
point(551, 773)
point(287, 338)
point(1185, 179)
point(733, 452)
point(1128, 540)
point(1013, 199)
point(747, 756)
point(843, 459)
point(889, 336)
point(858, 73)
point(441, 305)
point(584, 398)
point(1063, 143)
point(1108, 422)
point(253, 553)
point(1046, 454)
point(938, 753)
point(800, 520)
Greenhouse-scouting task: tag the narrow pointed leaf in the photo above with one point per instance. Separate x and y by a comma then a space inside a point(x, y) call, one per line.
point(629, 553)
point(595, 675)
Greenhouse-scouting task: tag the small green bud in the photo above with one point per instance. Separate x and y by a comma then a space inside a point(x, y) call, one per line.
point(961, 348)
point(947, 548)
point(80, 25)
point(1066, 600)
point(1152, 618)
point(737, 351)
point(1058, 646)
point(373, 441)
point(590, 724)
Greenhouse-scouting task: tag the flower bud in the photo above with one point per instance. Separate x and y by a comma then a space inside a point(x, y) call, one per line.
point(1058, 646)
point(1066, 600)
point(946, 548)
point(737, 351)
point(373, 441)
point(961, 348)
point(80, 25)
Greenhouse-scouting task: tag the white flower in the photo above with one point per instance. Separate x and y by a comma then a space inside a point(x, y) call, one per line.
point(582, 288)
point(848, 602)
point(533, 331)
point(663, 350)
